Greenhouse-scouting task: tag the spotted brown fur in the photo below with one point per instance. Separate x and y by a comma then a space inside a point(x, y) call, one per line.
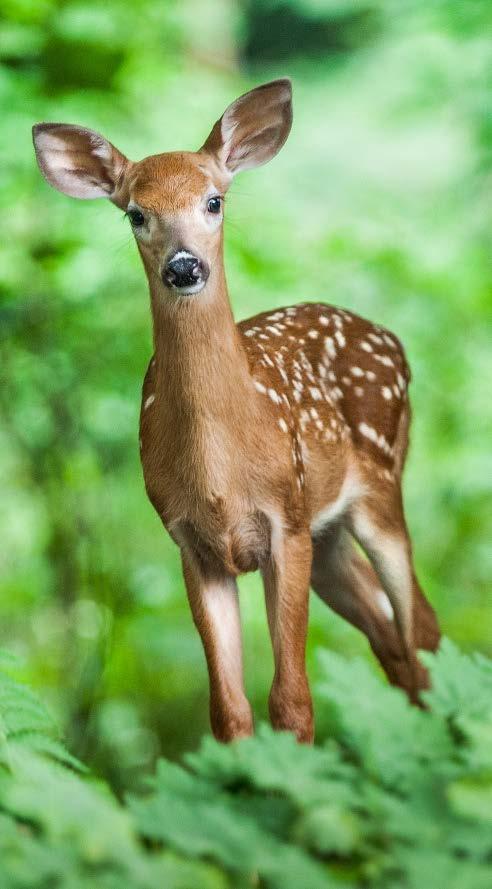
point(338, 375)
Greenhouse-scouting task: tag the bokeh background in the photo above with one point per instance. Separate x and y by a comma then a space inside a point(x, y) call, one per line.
point(380, 202)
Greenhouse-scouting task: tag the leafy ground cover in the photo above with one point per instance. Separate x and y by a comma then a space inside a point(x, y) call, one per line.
point(396, 797)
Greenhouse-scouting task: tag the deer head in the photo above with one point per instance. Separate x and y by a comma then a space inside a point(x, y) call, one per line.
point(174, 201)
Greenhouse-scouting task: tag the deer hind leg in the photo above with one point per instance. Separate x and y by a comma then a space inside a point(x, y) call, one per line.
point(378, 525)
point(347, 582)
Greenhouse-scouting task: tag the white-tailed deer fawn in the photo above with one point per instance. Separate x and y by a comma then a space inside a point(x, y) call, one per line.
point(272, 444)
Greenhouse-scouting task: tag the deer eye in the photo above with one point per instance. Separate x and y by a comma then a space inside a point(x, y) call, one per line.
point(213, 205)
point(136, 217)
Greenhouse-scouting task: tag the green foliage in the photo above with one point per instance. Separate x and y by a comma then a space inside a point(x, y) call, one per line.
point(396, 795)
point(379, 202)
point(25, 723)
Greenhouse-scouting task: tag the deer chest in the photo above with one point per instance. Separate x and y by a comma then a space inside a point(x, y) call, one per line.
point(222, 531)
point(236, 547)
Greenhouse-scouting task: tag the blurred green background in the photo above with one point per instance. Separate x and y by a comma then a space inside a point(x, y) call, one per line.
point(380, 202)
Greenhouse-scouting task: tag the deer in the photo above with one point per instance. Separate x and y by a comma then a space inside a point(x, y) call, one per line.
point(276, 444)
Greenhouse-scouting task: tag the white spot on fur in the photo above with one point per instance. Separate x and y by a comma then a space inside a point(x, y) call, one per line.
point(384, 359)
point(386, 393)
point(389, 342)
point(368, 432)
point(148, 401)
point(330, 347)
point(379, 440)
point(283, 425)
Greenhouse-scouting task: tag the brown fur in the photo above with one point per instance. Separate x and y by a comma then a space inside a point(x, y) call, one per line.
point(267, 445)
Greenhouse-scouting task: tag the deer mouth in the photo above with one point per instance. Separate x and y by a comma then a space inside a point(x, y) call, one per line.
point(186, 289)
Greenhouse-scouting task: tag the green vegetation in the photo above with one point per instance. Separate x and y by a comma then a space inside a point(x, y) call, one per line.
point(378, 202)
point(396, 795)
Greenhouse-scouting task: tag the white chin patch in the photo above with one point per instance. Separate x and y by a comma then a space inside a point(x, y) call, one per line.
point(192, 288)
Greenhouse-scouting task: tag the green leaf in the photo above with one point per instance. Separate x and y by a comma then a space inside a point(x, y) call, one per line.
point(461, 684)
point(376, 723)
point(205, 825)
point(273, 761)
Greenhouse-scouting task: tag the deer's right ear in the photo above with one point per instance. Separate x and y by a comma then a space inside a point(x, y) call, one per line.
point(80, 163)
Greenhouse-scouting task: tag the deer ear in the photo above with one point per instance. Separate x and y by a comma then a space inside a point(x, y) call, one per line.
point(80, 163)
point(253, 129)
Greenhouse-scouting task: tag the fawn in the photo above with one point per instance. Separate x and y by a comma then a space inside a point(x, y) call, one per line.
point(272, 444)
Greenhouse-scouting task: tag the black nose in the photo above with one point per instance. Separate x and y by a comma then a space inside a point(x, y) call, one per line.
point(183, 270)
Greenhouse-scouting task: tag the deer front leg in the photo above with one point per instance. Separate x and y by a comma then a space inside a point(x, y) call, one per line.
point(286, 579)
point(215, 607)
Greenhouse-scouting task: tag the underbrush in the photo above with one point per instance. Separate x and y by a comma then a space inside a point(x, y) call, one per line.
point(398, 797)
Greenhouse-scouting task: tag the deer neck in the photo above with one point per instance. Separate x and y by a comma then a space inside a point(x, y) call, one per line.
point(202, 379)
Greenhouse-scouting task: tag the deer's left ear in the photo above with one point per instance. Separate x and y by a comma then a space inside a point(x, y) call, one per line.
point(253, 129)
point(80, 162)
